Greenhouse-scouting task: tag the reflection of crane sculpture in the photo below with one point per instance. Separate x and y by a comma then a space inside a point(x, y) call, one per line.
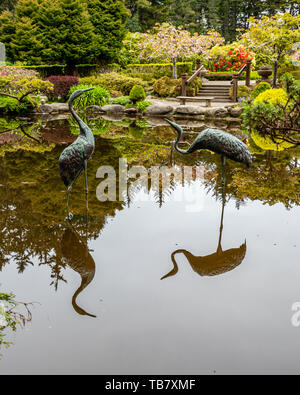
point(76, 254)
point(74, 158)
point(217, 263)
point(218, 141)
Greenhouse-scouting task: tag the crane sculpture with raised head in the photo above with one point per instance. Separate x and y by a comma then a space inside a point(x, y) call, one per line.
point(73, 160)
point(218, 141)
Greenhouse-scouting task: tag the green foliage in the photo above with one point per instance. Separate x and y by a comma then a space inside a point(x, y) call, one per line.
point(272, 96)
point(137, 93)
point(122, 100)
point(267, 144)
point(242, 92)
point(7, 320)
point(114, 82)
point(98, 96)
point(48, 31)
point(259, 88)
point(275, 113)
point(227, 76)
point(142, 105)
point(8, 105)
point(168, 87)
point(150, 71)
point(109, 19)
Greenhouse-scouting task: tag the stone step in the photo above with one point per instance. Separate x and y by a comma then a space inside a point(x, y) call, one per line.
point(222, 87)
point(213, 90)
point(215, 95)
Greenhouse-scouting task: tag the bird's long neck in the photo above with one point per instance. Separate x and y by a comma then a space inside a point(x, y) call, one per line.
point(85, 280)
point(179, 132)
point(82, 125)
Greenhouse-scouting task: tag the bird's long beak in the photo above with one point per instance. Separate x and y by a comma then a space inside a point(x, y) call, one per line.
point(88, 89)
point(174, 125)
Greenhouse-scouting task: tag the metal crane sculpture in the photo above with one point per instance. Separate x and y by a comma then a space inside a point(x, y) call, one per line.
point(218, 141)
point(73, 160)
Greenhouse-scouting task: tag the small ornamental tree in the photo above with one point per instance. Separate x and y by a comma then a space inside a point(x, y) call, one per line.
point(273, 36)
point(170, 43)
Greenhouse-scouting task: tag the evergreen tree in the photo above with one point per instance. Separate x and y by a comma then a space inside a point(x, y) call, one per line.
point(48, 31)
point(109, 20)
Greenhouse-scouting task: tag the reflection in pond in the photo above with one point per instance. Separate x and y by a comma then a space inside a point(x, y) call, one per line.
point(76, 255)
point(38, 246)
point(216, 263)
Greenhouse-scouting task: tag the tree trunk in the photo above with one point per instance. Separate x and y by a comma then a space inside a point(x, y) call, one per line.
point(275, 68)
point(174, 69)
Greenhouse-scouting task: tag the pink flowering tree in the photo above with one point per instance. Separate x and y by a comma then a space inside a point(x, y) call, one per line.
point(170, 43)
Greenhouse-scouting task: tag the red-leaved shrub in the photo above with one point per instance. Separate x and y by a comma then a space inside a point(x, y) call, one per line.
point(62, 85)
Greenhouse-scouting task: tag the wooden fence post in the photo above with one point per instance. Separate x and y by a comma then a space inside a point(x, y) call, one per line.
point(235, 87)
point(183, 84)
point(248, 72)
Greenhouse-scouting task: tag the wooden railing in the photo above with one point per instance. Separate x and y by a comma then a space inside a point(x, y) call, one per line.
point(185, 80)
point(235, 79)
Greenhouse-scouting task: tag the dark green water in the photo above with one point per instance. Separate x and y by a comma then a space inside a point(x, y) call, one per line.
point(225, 310)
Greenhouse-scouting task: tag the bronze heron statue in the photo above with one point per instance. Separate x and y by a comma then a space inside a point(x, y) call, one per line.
point(218, 141)
point(73, 160)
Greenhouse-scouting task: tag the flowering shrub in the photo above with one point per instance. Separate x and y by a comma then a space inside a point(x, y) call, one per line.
point(62, 85)
point(17, 73)
point(22, 82)
point(229, 58)
point(16, 87)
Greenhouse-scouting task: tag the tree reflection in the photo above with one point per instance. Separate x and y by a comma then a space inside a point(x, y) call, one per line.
point(32, 198)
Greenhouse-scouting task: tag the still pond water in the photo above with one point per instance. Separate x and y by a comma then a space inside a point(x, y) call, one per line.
point(102, 308)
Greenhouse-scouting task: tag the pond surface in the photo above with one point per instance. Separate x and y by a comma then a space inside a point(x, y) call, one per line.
point(229, 261)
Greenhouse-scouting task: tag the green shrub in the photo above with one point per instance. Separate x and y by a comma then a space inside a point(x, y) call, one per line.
point(137, 93)
point(150, 71)
point(272, 96)
point(8, 105)
point(98, 96)
point(168, 87)
point(243, 91)
point(227, 76)
point(261, 87)
point(114, 82)
point(123, 100)
point(142, 105)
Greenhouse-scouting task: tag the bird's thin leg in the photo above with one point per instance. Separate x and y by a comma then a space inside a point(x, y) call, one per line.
point(86, 185)
point(223, 159)
point(172, 152)
point(70, 188)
